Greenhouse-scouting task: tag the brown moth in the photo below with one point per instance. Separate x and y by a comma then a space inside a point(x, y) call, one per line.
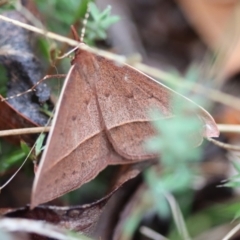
point(101, 119)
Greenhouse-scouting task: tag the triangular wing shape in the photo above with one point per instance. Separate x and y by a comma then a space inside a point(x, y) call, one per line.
point(101, 118)
point(125, 95)
point(77, 148)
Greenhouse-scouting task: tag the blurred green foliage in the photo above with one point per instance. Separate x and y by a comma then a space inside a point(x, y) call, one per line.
point(234, 181)
point(59, 15)
point(98, 23)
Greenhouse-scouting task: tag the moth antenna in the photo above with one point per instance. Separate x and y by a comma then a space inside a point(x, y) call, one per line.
point(84, 23)
point(74, 31)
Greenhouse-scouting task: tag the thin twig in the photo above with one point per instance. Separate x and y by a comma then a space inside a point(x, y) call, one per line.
point(20, 131)
point(229, 128)
point(33, 88)
point(177, 216)
point(151, 234)
point(11, 132)
point(38, 227)
point(224, 145)
point(17, 171)
point(232, 232)
point(215, 95)
point(60, 38)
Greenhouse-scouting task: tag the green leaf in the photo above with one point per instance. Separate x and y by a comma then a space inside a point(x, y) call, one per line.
point(98, 23)
point(232, 184)
point(94, 12)
point(25, 148)
point(106, 23)
point(39, 144)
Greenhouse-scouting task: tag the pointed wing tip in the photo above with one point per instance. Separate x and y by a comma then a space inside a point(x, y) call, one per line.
point(34, 202)
point(211, 130)
point(32, 206)
point(38, 197)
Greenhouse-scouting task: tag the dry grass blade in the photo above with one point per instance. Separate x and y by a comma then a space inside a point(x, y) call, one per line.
point(232, 232)
point(209, 93)
point(230, 128)
point(38, 227)
point(178, 217)
point(224, 145)
point(13, 132)
point(151, 234)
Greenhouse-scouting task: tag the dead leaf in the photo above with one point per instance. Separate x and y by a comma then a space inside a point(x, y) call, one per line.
point(10, 118)
point(23, 69)
point(78, 218)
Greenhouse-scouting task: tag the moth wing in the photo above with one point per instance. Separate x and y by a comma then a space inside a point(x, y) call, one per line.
point(125, 95)
point(77, 149)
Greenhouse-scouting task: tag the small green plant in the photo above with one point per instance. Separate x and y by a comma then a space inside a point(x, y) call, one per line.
point(60, 15)
point(176, 143)
point(98, 23)
point(234, 181)
point(38, 147)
